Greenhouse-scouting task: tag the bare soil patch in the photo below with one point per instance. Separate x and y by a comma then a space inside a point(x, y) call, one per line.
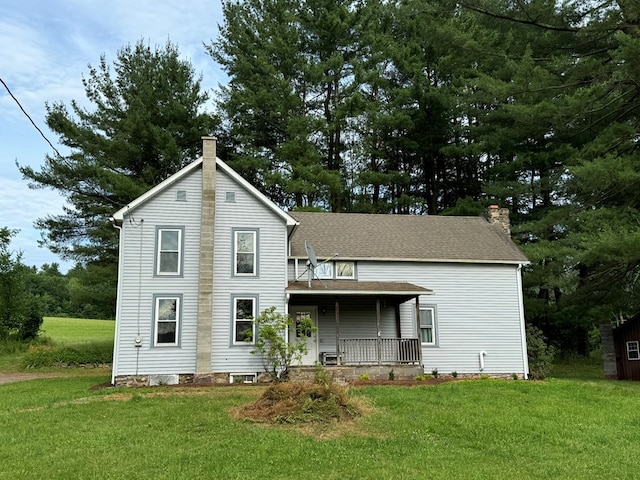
point(21, 377)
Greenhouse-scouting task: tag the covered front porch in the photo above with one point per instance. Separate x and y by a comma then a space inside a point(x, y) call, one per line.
point(358, 323)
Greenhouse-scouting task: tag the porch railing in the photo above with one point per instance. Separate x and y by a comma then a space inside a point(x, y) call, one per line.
point(379, 350)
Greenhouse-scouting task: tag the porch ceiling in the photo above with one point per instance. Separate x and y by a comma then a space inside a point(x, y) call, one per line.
point(355, 288)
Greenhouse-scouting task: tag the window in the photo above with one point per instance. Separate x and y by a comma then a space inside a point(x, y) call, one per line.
point(427, 325)
point(245, 258)
point(167, 319)
point(230, 197)
point(169, 250)
point(324, 270)
point(243, 314)
point(181, 196)
point(345, 270)
point(633, 350)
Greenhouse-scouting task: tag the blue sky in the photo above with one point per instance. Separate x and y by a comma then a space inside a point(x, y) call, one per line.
point(46, 46)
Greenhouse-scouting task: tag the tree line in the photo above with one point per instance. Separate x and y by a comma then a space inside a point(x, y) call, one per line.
point(414, 107)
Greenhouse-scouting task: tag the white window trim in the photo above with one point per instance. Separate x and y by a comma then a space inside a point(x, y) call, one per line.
point(235, 319)
point(235, 253)
point(636, 350)
point(156, 311)
point(245, 375)
point(434, 326)
point(159, 250)
point(325, 264)
point(345, 277)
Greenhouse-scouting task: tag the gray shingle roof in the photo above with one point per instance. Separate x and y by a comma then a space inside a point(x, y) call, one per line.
point(356, 236)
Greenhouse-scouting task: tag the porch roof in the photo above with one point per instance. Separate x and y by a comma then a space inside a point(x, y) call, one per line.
point(351, 287)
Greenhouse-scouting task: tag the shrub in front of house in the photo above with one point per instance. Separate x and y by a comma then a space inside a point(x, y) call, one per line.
point(39, 356)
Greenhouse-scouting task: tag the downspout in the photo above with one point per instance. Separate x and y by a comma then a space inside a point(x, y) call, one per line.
point(523, 331)
point(116, 342)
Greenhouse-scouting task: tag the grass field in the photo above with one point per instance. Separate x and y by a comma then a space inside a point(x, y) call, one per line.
point(61, 332)
point(575, 425)
point(72, 331)
point(561, 428)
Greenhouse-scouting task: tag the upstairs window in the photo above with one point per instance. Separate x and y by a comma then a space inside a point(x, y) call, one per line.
point(633, 350)
point(427, 326)
point(169, 250)
point(245, 255)
point(324, 270)
point(345, 270)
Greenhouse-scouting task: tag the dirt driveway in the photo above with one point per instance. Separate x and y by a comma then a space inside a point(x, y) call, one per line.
point(19, 377)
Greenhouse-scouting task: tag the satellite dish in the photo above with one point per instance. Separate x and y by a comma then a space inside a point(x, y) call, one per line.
point(311, 254)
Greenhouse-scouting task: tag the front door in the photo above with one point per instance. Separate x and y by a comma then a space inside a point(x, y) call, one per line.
point(298, 335)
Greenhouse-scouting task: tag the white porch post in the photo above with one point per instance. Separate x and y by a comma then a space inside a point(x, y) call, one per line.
point(338, 360)
point(418, 331)
point(379, 343)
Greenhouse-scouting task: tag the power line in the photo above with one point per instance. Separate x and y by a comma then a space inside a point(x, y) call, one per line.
point(29, 117)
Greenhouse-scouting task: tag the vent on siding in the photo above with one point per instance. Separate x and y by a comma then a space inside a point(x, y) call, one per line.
point(181, 196)
point(230, 197)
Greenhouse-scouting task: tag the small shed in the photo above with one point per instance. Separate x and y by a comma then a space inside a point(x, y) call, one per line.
point(626, 341)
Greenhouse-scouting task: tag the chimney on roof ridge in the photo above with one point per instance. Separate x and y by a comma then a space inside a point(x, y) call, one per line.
point(499, 216)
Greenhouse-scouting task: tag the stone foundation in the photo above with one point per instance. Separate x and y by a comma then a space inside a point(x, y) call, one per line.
point(341, 374)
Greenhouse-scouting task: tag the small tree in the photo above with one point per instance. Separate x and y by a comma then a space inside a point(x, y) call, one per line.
point(19, 315)
point(541, 354)
point(271, 343)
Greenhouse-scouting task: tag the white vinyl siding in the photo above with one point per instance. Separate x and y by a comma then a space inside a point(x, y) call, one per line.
point(139, 283)
point(247, 213)
point(477, 309)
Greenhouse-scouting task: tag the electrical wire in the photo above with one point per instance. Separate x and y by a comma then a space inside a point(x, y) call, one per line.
point(29, 117)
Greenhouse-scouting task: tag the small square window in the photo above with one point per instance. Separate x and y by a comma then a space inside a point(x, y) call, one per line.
point(345, 270)
point(230, 197)
point(181, 196)
point(633, 350)
point(324, 270)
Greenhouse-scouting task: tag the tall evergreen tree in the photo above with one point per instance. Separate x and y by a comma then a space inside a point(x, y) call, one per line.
point(146, 122)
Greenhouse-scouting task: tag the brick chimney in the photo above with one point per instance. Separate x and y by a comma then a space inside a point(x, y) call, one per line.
point(499, 216)
point(205, 283)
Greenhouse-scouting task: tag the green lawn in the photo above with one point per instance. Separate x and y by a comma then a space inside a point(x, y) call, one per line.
point(72, 331)
point(560, 428)
point(61, 332)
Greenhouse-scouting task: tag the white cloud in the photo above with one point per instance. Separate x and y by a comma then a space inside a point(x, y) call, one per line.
point(21, 206)
point(46, 48)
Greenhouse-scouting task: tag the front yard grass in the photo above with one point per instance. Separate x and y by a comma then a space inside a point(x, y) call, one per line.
point(85, 335)
point(494, 429)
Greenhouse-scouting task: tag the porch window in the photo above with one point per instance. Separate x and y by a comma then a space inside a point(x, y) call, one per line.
point(169, 250)
point(245, 252)
point(345, 270)
point(427, 325)
point(244, 310)
point(633, 350)
point(166, 319)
